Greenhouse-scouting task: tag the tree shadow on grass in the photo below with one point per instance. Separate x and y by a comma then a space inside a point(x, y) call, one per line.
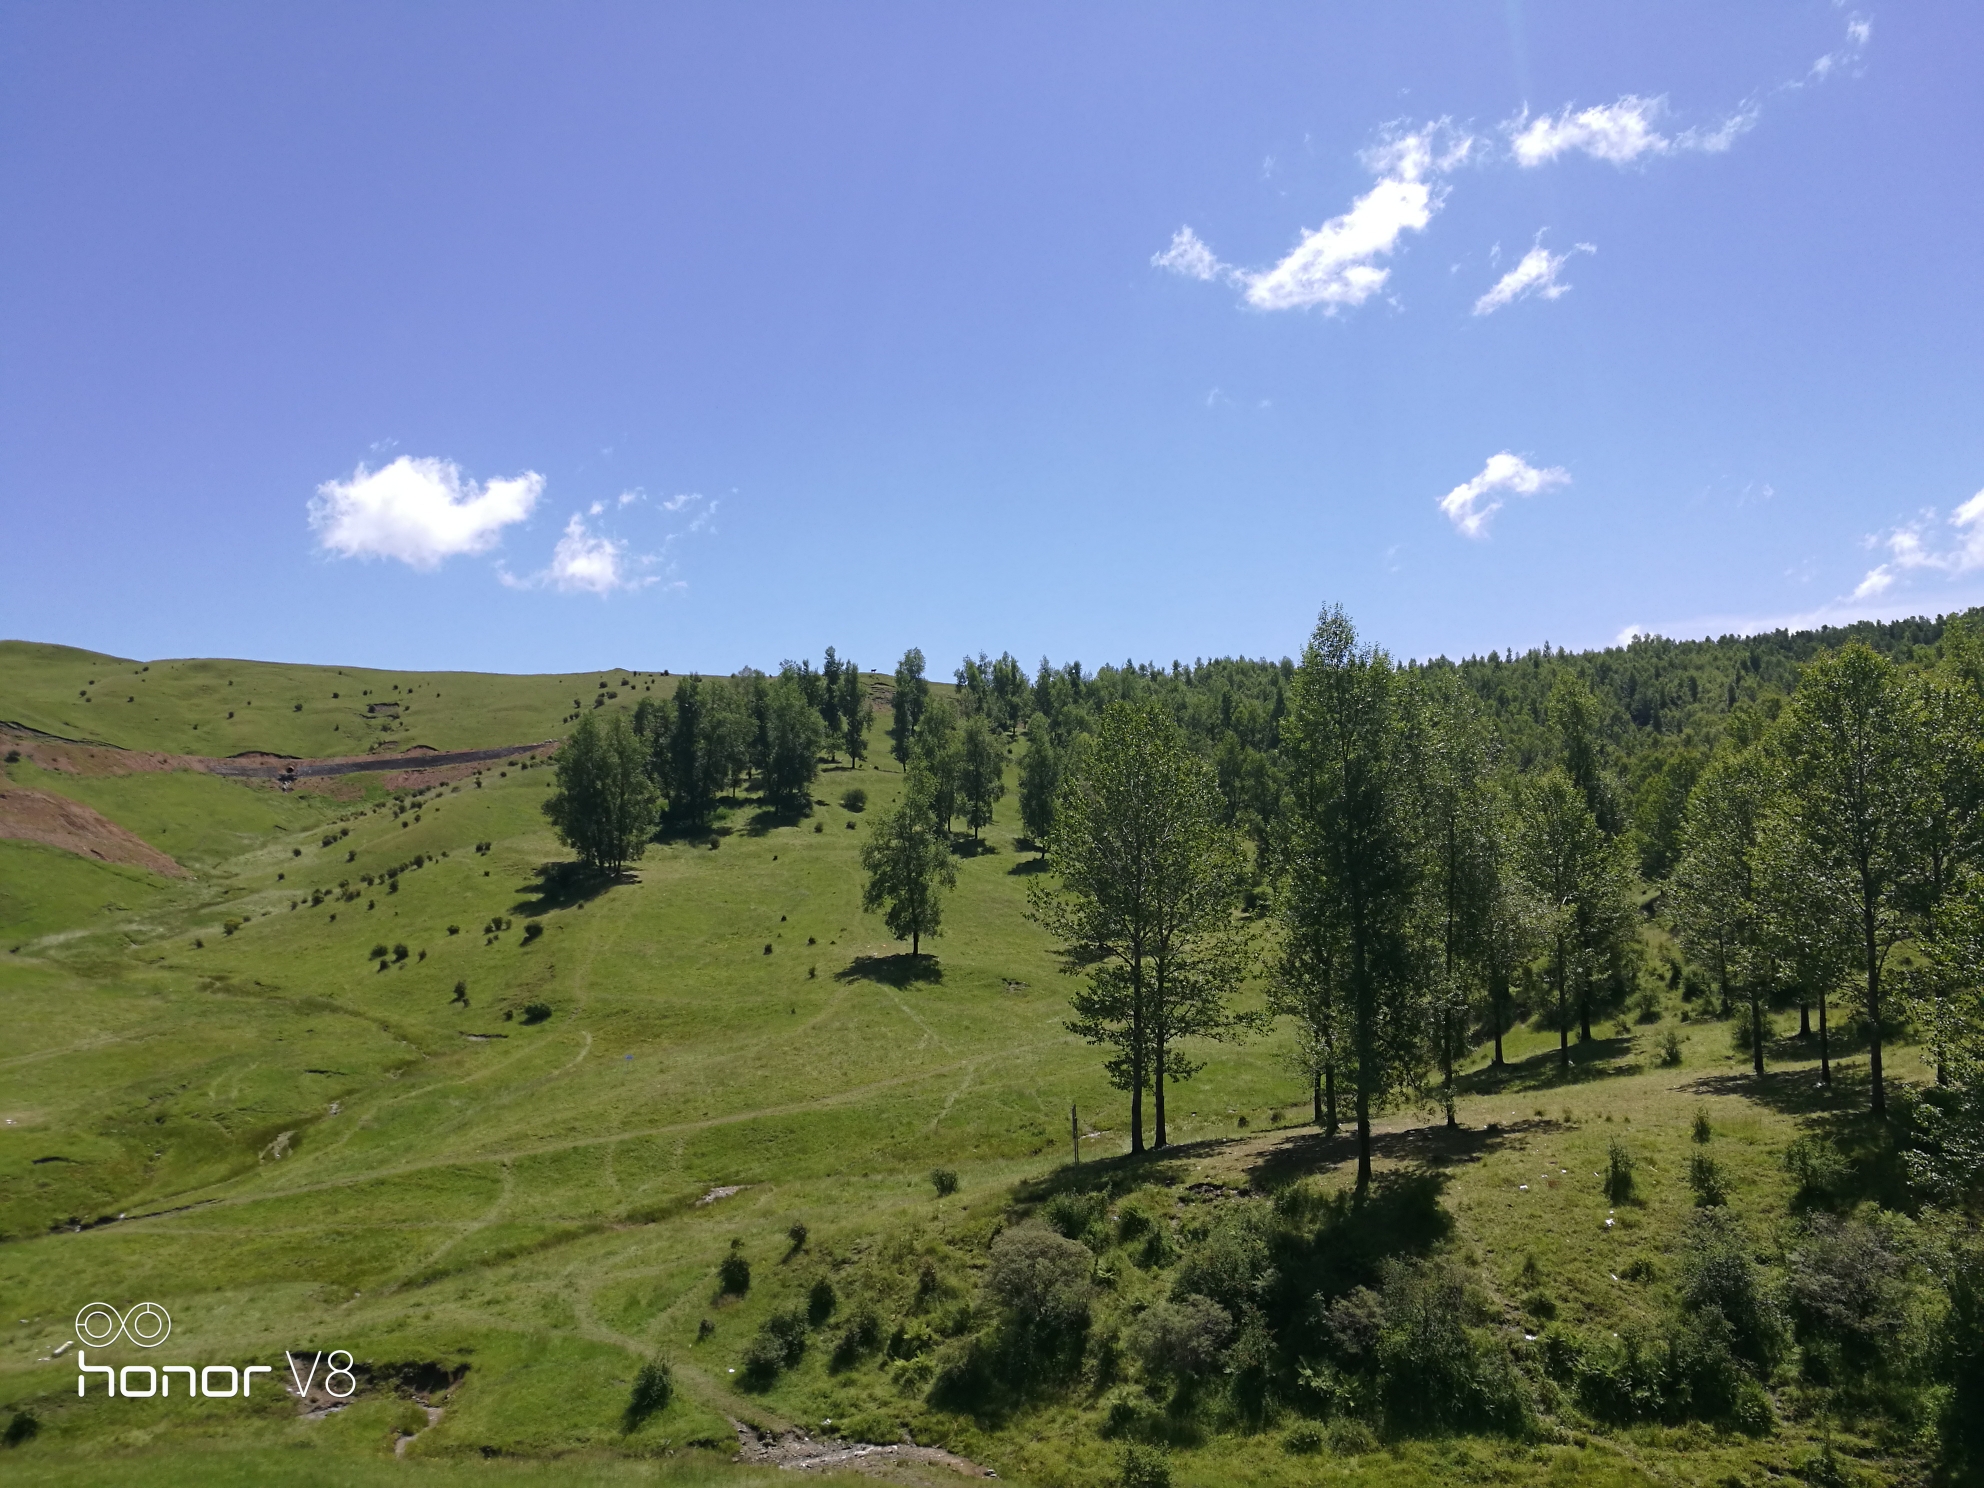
point(1115, 1176)
point(972, 847)
point(1845, 1154)
point(898, 971)
point(565, 886)
point(769, 818)
point(1029, 865)
point(1595, 1059)
point(1427, 1149)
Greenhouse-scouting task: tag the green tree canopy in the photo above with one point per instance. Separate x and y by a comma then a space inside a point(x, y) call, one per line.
point(908, 865)
point(604, 806)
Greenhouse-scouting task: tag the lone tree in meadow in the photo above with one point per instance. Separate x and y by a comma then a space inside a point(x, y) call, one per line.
point(605, 806)
point(909, 866)
point(1144, 906)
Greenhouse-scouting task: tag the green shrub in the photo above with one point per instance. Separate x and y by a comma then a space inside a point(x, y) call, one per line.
point(1618, 1172)
point(25, 1425)
point(1303, 1439)
point(536, 1012)
point(733, 1275)
point(820, 1302)
point(1181, 1339)
point(1703, 1132)
point(944, 1180)
point(1145, 1467)
point(1432, 1372)
point(780, 1344)
point(1847, 1302)
point(862, 1335)
point(400, 952)
point(1078, 1215)
point(532, 929)
point(1670, 1049)
point(1719, 1277)
point(854, 798)
point(378, 953)
point(654, 1387)
point(1707, 1179)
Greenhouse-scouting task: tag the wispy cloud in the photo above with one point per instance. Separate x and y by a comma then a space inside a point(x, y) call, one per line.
point(418, 511)
point(585, 562)
point(1337, 265)
point(1189, 257)
point(1913, 547)
point(1859, 32)
point(1619, 133)
point(1535, 276)
point(1469, 505)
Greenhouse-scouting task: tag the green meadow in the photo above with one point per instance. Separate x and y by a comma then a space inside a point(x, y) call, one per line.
point(505, 1165)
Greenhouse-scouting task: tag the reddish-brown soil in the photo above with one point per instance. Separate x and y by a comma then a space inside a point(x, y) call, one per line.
point(56, 821)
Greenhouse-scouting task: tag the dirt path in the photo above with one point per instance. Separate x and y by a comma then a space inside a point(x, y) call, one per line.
point(899, 1461)
point(80, 757)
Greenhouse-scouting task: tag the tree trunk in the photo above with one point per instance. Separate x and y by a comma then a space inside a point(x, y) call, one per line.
point(1757, 1034)
point(1157, 1087)
point(1136, 1057)
point(1316, 1096)
point(1880, 1101)
point(915, 943)
point(1363, 1140)
point(1495, 998)
point(1563, 1012)
point(1825, 1044)
point(1329, 1093)
point(1804, 1020)
point(1584, 1009)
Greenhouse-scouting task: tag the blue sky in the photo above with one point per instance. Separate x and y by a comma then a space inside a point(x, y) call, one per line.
point(531, 337)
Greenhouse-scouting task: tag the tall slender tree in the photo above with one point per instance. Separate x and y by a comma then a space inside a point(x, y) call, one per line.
point(854, 713)
point(1040, 780)
point(981, 773)
point(1352, 863)
point(1719, 898)
point(937, 748)
point(1579, 876)
point(1853, 796)
point(912, 691)
point(1143, 903)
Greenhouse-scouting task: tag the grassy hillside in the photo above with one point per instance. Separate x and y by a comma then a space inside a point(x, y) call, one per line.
point(216, 1098)
point(219, 708)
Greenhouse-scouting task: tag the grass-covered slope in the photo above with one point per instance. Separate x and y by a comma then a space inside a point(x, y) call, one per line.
point(216, 1098)
point(220, 708)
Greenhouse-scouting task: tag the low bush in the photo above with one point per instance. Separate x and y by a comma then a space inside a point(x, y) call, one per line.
point(862, 1335)
point(532, 929)
point(733, 1275)
point(1707, 1179)
point(780, 1344)
point(1180, 1340)
point(654, 1387)
point(536, 1012)
point(821, 1299)
point(944, 1180)
point(1670, 1049)
point(1079, 1216)
point(1619, 1167)
point(1145, 1467)
point(854, 798)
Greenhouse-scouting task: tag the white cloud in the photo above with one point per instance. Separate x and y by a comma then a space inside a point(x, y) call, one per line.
point(1910, 548)
point(585, 562)
point(1333, 265)
point(1535, 275)
point(1859, 31)
point(418, 511)
point(1469, 505)
point(1617, 132)
point(676, 503)
point(1189, 256)
point(1630, 634)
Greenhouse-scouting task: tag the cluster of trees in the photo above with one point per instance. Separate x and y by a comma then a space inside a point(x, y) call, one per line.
point(1413, 868)
point(675, 758)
